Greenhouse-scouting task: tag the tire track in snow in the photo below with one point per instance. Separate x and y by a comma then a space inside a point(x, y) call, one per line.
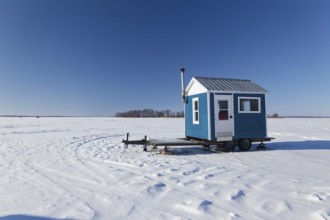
point(150, 185)
point(86, 180)
point(24, 175)
point(90, 169)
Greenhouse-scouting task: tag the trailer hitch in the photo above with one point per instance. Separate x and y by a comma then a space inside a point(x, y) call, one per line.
point(144, 142)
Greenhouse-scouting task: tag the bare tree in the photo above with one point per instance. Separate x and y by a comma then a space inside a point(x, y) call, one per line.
point(150, 113)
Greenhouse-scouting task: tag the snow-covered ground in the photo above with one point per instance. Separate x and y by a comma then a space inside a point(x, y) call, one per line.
point(76, 168)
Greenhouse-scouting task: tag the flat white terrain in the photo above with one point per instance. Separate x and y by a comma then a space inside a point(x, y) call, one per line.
point(77, 168)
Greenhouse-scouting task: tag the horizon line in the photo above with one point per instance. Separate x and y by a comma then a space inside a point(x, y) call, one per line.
point(108, 116)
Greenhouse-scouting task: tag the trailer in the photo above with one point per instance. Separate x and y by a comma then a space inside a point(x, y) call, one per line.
point(221, 146)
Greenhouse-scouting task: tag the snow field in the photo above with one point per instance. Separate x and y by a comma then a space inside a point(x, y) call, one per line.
point(77, 168)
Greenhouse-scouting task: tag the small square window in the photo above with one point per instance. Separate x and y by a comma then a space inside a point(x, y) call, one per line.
point(249, 105)
point(196, 105)
point(196, 116)
point(223, 115)
point(223, 104)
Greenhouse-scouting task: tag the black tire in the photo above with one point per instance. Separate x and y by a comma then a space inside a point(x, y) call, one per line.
point(244, 144)
point(206, 147)
point(230, 146)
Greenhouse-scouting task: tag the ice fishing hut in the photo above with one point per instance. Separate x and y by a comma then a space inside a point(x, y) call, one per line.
point(220, 110)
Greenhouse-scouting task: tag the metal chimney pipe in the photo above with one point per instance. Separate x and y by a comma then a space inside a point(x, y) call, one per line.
point(182, 85)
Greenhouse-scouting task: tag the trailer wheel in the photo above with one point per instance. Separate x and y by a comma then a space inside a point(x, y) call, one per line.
point(230, 146)
point(244, 145)
point(206, 147)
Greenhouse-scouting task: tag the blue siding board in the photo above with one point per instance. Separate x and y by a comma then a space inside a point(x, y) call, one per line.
point(211, 101)
point(197, 130)
point(250, 125)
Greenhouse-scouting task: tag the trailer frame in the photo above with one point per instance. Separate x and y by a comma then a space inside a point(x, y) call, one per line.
point(244, 144)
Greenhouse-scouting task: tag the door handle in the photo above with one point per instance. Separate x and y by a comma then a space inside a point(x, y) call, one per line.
point(231, 116)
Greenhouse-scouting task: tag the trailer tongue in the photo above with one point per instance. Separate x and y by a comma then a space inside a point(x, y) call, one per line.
point(164, 142)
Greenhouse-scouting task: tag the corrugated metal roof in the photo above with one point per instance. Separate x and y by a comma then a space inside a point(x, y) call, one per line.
point(229, 85)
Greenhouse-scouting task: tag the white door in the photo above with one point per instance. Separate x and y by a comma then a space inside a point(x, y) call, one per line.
point(224, 117)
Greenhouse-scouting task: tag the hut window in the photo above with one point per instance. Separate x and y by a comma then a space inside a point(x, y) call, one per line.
point(249, 105)
point(223, 109)
point(195, 109)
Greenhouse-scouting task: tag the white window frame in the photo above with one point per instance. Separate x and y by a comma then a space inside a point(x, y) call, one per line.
point(194, 111)
point(254, 98)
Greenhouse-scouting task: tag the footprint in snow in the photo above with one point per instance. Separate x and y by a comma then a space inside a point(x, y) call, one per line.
point(238, 196)
point(233, 215)
point(187, 173)
point(195, 205)
point(204, 205)
point(174, 170)
point(317, 197)
point(187, 183)
point(277, 206)
point(322, 214)
point(155, 189)
point(106, 198)
point(208, 176)
point(158, 175)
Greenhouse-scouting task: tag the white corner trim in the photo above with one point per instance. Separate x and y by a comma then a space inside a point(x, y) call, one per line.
point(209, 115)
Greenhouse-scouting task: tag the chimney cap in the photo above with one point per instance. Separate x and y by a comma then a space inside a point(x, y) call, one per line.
point(182, 69)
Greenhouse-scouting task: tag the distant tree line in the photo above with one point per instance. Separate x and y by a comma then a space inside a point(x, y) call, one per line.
point(149, 113)
point(275, 115)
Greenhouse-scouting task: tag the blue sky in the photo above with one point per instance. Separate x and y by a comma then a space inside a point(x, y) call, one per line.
point(98, 57)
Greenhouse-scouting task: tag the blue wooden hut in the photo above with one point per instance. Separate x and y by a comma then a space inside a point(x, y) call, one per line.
point(230, 111)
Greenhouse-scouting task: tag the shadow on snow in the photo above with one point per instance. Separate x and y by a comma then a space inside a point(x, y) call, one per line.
point(28, 217)
point(300, 145)
point(270, 146)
